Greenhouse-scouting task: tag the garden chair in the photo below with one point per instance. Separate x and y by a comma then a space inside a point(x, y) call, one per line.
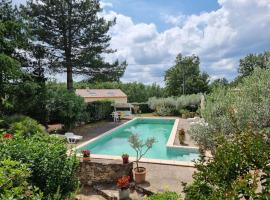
point(71, 138)
point(115, 116)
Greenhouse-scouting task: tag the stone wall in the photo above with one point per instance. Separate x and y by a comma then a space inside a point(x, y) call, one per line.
point(92, 172)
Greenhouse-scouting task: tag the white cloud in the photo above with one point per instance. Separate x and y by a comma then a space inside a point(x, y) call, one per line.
point(219, 37)
point(176, 20)
point(104, 4)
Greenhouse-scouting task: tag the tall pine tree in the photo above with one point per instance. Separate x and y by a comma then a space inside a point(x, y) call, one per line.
point(13, 36)
point(75, 37)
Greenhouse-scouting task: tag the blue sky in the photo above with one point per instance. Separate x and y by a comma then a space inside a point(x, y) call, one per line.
point(150, 33)
point(151, 11)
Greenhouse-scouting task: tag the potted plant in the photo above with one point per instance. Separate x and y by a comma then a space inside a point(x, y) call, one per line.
point(86, 155)
point(123, 185)
point(182, 136)
point(141, 147)
point(125, 157)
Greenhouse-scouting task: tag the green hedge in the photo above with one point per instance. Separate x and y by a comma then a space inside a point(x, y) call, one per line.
point(52, 170)
point(144, 107)
point(99, 110)
point(175, 105)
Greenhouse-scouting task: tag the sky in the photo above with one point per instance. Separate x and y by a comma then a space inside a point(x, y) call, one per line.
point(150, 33)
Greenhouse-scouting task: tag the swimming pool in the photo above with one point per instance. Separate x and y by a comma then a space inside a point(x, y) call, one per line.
point(115, 142)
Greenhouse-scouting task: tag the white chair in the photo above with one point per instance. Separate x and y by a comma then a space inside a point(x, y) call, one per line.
point(71, 138)
point(115, 116)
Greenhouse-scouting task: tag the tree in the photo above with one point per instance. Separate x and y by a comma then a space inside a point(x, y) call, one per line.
point(252, 61)
point(230, 110)
point(74, 37)
point(185, 78)
point(239, 169)
point(219, 82)
point(13, 35)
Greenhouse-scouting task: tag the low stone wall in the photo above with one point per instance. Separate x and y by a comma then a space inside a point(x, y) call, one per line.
point(92, 172)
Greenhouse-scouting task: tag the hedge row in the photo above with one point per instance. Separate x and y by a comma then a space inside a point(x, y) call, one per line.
point(99, 110)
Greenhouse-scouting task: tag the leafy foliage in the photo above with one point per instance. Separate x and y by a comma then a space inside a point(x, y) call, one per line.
point(185, 78)
point(99, 110)
point(13, 35)
point(141, 147)
point(51, 167)
point(230, 110)
point(175, 105)
point(253, 61)
point(164, 196)
point(14, 181)
point(27, 127)
point(65, 107)
point(142, 107)
point(76, 36)
point(238, 170)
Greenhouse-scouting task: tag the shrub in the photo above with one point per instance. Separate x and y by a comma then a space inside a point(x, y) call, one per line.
point(182, 136)
point(14, 181)
point(46, 156)
point(228, 111)
point(175, 105)
point(65, 107)
point(165, 109)
point(26, 127)
point(239, 170)
point(164, 196)
point(99, 110)
point(143, 107)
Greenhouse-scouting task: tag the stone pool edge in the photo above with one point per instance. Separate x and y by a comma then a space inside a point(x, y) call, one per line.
point(169, 144)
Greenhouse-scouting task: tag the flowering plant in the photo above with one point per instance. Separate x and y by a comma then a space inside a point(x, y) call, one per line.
point(7, 136)
point(125, 155)
point(86, 153)
point(123, 182)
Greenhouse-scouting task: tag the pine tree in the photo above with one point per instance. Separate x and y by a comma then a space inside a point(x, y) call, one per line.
point(12, 38)
point(75, 37)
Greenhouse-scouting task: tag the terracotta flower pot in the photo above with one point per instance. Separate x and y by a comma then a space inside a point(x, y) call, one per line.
point(124, 194)
point(125, 160)
point(139, 174)
point(85, 159)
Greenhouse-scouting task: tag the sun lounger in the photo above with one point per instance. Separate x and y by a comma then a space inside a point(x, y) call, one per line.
point(71, 138)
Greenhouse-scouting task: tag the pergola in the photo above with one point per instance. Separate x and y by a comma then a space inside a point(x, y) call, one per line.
point(125, 108)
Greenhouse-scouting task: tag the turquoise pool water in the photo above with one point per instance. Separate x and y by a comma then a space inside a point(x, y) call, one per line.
point(116, 143)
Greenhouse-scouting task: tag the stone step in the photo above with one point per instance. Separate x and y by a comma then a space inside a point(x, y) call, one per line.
point(89, 197)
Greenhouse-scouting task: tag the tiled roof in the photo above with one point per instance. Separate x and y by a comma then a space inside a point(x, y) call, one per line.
point(100, 93)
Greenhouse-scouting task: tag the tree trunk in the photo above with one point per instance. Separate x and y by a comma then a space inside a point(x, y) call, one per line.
point(69, 49)
point(69, 77)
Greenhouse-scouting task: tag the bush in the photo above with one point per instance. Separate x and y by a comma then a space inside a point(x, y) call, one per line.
point(65, 107)
point(14, 181)
point(175, 105)
point(228, 111)
point(164, 196)
point(239, 170)
point(99, 110)
point(182, 136)
point(26, 127)
point(51, 167)
point(143, 107)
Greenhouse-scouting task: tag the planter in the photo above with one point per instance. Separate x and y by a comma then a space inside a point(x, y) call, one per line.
point(125, 160)
point(85, 159)
point(124, 194)
point(139, 174)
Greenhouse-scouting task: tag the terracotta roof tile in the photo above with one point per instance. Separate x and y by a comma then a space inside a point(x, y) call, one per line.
point(101, 93)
